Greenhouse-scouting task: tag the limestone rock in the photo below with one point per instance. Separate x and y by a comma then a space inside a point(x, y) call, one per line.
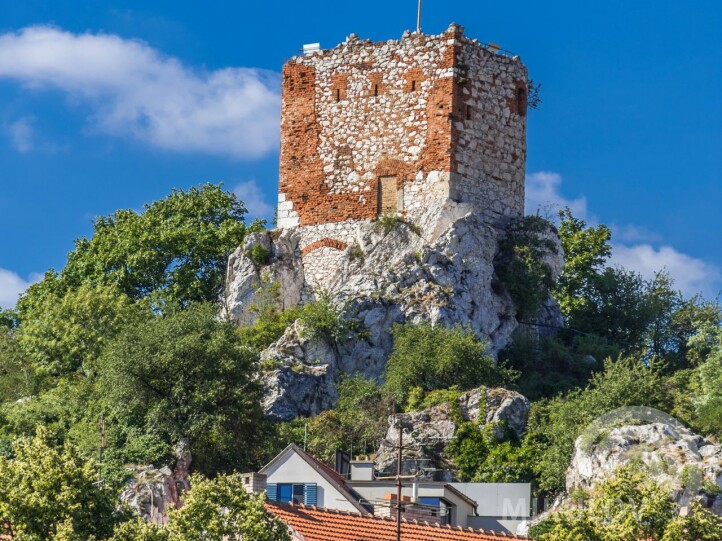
point(427, 433)
point(151, 492)
point(440, 271)
point(675, 456)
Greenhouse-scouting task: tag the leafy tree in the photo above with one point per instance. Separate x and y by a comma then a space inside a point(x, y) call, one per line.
point(438, 358)
point(175, 249)
point(586, 249)
point(521, 263)
point(139, 530)
point(220, 509)
point(707, 381)
point(185, 374)
point(63, 334)
point(17, 377)
point(616, 308)
point(49, 493)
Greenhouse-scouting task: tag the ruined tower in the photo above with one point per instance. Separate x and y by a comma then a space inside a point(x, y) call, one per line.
point(397, 127)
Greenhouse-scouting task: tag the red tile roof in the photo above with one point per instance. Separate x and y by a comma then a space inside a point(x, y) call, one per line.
point(319, 524)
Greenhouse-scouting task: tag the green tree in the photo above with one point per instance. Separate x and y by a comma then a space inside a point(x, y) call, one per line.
point(175, 249)
point(521, 263)
point(586, 250)
point(220, 509)
point(63, 334)
point(185, 374)
point(435, 357)
point(17, 377)
point(139, 530)
point(49, 493)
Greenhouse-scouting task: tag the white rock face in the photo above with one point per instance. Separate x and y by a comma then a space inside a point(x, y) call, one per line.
point(152, 492)
point(441, 272)
point(427, 433)
point(675, 456)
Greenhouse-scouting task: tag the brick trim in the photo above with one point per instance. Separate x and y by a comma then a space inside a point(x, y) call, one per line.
point(324, 243)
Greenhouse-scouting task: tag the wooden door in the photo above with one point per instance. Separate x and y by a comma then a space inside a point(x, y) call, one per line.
point(388, 196)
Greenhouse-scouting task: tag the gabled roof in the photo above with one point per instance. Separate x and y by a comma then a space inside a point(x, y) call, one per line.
point(319, 524)
point(333, 477)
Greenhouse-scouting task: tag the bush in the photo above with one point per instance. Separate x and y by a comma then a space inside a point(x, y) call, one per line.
point(260, 255)
point(438, 358)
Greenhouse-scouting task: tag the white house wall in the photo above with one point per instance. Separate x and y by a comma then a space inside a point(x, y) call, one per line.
point(294, 469)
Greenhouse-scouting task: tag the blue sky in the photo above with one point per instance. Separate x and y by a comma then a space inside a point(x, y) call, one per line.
point(108, 105)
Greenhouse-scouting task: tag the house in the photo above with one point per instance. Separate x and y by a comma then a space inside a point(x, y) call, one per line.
point(296, 477)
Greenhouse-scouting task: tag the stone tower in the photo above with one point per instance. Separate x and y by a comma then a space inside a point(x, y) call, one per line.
point(398, 127)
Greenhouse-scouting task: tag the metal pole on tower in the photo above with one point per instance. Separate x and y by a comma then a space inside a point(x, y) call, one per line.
point(418, 19)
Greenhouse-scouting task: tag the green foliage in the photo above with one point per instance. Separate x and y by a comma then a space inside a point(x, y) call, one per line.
point(260, 255)
point(356, 253)
point(220, 509)
point(49, 493)
point(17, 375)
point(271, 320)
point(388, 222)
point(357, 424)
point(481, 456)
point(176, 250)
point(627, 507)
point(553, 364)
point(586, 249)
point(63, 334)
point(438, 358)
point(321, 320)
point(184, 374)
point(700, 525)
point(521, 266)
point(555, 424)
point(139, 530)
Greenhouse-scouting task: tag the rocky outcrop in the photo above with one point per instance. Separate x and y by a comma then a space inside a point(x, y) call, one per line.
point(688, 464)
point(440, 270)
point(152, 492)
point(427, 433)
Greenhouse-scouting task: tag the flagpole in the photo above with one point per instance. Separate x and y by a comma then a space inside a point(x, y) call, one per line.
point(418, 19)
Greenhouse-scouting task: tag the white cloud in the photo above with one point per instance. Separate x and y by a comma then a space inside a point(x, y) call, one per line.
point(543, 196)
point(12, 285)
point(21, 134)
point(691, 275)
point(251, 195)
point(134, 90)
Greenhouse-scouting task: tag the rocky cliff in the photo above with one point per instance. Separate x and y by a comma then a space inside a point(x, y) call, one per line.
point(427, 433)
point(688, 464)
point(440, 270)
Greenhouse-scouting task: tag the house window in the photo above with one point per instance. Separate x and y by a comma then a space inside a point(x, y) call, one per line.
point(388, 196)
point(305, 493)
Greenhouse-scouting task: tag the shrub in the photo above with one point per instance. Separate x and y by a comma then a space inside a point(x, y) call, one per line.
point(260, 255)
point(438, 358)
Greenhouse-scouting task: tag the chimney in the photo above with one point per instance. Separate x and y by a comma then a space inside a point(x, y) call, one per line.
point(362, 470)
point(254, 483)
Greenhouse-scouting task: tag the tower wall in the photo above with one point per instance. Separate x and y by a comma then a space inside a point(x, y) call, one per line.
point(442, 117)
